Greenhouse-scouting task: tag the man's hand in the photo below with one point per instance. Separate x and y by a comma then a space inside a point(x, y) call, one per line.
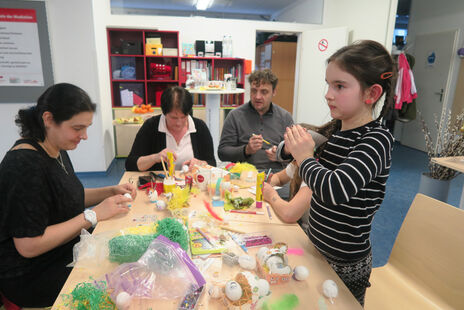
point(254, 144)
point(271, 153)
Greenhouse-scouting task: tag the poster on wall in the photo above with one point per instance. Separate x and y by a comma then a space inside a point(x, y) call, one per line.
point(20, 60)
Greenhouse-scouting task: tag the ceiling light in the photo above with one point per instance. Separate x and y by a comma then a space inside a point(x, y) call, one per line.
point(202, 5)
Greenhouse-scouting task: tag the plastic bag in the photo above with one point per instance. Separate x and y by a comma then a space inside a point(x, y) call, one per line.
point(91, 250)
point(163, 272)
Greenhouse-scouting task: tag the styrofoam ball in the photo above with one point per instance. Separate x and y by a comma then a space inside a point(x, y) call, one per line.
point(128, 196)
point(161, 205)
point(123, 300)
point(233, 290)
point(247, 262)
point(330, 289)
point(215, 291)
point(185, 168)
point(300, 273)
point(263, 287)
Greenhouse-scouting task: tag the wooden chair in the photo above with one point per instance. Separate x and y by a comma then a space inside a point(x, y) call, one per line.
point(426, 266)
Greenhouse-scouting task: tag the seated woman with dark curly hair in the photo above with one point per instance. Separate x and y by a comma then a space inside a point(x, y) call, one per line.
point(174, 131)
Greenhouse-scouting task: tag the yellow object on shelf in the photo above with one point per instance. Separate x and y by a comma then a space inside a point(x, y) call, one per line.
point(154, 49)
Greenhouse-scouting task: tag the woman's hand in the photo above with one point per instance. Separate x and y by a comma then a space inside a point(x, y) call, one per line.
point(164, 155)
point(112, 206)
point(125, 188)
point(268, 192)
point(194, 162)
point(299, 142)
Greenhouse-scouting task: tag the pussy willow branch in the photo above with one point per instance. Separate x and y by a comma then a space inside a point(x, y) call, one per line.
point(449, 142)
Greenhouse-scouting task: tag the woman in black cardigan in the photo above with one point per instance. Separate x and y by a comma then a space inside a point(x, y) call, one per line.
point(174, 131)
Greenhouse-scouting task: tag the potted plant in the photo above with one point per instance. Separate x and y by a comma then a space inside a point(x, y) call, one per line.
point(449, 142)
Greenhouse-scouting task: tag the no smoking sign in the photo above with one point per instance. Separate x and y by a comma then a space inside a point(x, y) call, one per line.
point(323, 45)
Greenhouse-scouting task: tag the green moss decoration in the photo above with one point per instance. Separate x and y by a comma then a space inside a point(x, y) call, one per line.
point(172, 229)
point(89, 296)
point(286, 302)
point(129, 248)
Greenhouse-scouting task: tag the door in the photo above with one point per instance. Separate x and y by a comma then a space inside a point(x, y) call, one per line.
point(315, 47)
point(433, 54)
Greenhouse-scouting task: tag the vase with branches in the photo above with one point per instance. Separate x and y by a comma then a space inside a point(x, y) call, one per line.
point(449, 142)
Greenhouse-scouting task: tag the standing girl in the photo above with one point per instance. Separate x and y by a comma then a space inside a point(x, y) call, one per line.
point(348, 181)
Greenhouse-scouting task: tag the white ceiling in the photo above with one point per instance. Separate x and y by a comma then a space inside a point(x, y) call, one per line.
point(254, 7)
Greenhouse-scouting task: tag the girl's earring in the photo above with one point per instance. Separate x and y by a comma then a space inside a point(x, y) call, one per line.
point(368, 101)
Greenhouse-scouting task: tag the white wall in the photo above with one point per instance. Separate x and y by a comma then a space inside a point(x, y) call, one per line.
point(429, 16)
point(365, 19)
point(302, 11)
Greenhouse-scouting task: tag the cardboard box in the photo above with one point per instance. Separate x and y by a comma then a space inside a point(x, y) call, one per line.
point(154, 49)
point(169, 51)
point(153, 40)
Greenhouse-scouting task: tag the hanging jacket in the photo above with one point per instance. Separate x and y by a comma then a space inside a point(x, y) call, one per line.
point(405, 90)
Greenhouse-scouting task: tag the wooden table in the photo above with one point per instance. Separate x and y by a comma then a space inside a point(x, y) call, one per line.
point(455, 163)
point(309, 291)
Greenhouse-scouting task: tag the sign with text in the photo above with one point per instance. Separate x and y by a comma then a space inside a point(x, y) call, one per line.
point(20, 61)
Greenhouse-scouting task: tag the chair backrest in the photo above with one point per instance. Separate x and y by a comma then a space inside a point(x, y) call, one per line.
point(429, 249)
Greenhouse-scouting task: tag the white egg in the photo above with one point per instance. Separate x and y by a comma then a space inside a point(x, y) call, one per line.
point(261, 254)
point(233, 290)
point(128, 196)
point(280, 269)
point(330, 289)
point(263, 287)
point(247, 262)
point(300, 273)
point(215, 291)
point(185, 168)
point(153, 196)
point(123, 300)
point(274, 260)
point(161, 205)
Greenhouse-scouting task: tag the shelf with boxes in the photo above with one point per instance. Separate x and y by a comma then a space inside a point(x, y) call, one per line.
point(144, 62)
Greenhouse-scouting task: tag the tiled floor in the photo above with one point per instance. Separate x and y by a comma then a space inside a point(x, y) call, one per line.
point(402, 186)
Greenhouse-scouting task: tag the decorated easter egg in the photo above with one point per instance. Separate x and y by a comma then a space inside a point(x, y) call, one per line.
point(330, 289)
point(263, 287)
point(300, 273)
point(247, 262)
point(123, 300)
point(161, 205)
point(262, 254)
point(233, 290)
point(215, 291)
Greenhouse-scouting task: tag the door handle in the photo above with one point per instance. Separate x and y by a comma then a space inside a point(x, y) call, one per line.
point(440, 93)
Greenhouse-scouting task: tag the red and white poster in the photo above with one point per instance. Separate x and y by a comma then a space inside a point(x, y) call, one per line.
point(20, 61)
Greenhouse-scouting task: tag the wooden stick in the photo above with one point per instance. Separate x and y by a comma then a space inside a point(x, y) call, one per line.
point(164, 167)
point(231, 229)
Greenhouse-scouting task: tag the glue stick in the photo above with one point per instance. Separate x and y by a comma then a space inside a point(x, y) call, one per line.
point(170, 164)
point(259, 189)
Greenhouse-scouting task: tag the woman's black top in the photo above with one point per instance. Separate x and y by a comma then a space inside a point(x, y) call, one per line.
point(35, 192)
